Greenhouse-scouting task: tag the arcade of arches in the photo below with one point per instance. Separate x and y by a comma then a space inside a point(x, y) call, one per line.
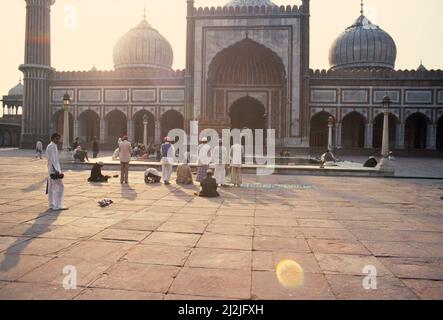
point(246, 70)
point(355, 132)
point(115, 124)
point(9, 136)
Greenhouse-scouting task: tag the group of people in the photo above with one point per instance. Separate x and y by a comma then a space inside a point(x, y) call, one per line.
point(219, 158)
point(329, 158)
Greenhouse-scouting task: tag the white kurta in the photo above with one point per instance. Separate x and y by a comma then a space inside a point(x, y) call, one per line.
point(167, 162)
point(56, 188)
point(220, 159)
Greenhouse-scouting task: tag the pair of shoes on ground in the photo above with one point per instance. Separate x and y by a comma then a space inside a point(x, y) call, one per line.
point(58, 209)
point(105, 202)
point(167, 183)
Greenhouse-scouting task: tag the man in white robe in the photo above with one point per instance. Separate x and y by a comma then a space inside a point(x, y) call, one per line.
point(220, 160)
point(237, 153)
point(56, 188)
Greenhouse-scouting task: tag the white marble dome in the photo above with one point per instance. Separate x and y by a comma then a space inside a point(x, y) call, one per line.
point(143, 47)
point(363, 45)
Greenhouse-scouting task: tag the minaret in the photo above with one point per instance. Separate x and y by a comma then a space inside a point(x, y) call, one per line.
point(304, 83)
point(189, 72)
point(36, 70)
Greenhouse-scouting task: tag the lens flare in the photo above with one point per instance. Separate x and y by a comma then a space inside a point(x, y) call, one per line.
point(290, 274)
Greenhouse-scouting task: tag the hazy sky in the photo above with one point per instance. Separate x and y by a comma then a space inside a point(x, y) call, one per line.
point(84, 31)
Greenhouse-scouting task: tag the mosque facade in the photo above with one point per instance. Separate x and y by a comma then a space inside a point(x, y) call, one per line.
point(247, 66)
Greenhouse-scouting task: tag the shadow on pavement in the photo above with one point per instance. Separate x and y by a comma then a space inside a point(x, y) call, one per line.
point(12, 254)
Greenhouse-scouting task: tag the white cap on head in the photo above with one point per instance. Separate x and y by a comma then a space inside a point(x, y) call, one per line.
point(100, 163)
point(204, 139)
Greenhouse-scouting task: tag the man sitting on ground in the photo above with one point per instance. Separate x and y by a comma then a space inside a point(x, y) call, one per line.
point(209, 186)
point(96, 173)
point(81, 154)
point(152, 175)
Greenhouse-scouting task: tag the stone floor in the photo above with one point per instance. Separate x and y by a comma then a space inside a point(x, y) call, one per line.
point(162, 242)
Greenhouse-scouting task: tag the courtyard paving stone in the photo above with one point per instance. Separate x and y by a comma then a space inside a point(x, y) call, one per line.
point(137, 277)
point(222, 241)
point(156, 254)
point(265, 285)
point(172, 239)
point(111, 294)
point(280, 244)
point(52, 272)
point(221, 283)
point(36, 291)
point(92, 249)
point(337, 246)
point(426, 289)
point(220, 258)
point(13, 267)
point(349, 287)
point(121, 235)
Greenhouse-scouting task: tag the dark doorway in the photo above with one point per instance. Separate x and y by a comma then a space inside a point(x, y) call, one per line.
point(353, 131)
point(378, 131)
point(117, 125)
point(171, 120)
point(248, 113)
point(89, 126)
point(320, 130)
point(416, 131)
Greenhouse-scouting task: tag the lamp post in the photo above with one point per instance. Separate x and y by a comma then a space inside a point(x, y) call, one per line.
point(330, 126)
point(385, 163)
point(145, 130)
point(66, 155)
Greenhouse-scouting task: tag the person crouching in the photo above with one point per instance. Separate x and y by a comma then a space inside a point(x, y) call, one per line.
point(96, 173)
point(152, 176)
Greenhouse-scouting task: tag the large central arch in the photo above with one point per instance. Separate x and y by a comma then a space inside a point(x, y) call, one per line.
point(246, 63)
point(244, 68)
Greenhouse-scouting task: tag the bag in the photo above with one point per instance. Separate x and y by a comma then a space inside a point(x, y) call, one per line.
point(56, 175)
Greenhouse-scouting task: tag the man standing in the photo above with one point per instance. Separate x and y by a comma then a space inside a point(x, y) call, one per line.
point(95, 147)
point(220, 159)
point(237, 152)
point(204, 158)
point(168, 154)
point(39, 149)
point(55, 187)
point(125, 151)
